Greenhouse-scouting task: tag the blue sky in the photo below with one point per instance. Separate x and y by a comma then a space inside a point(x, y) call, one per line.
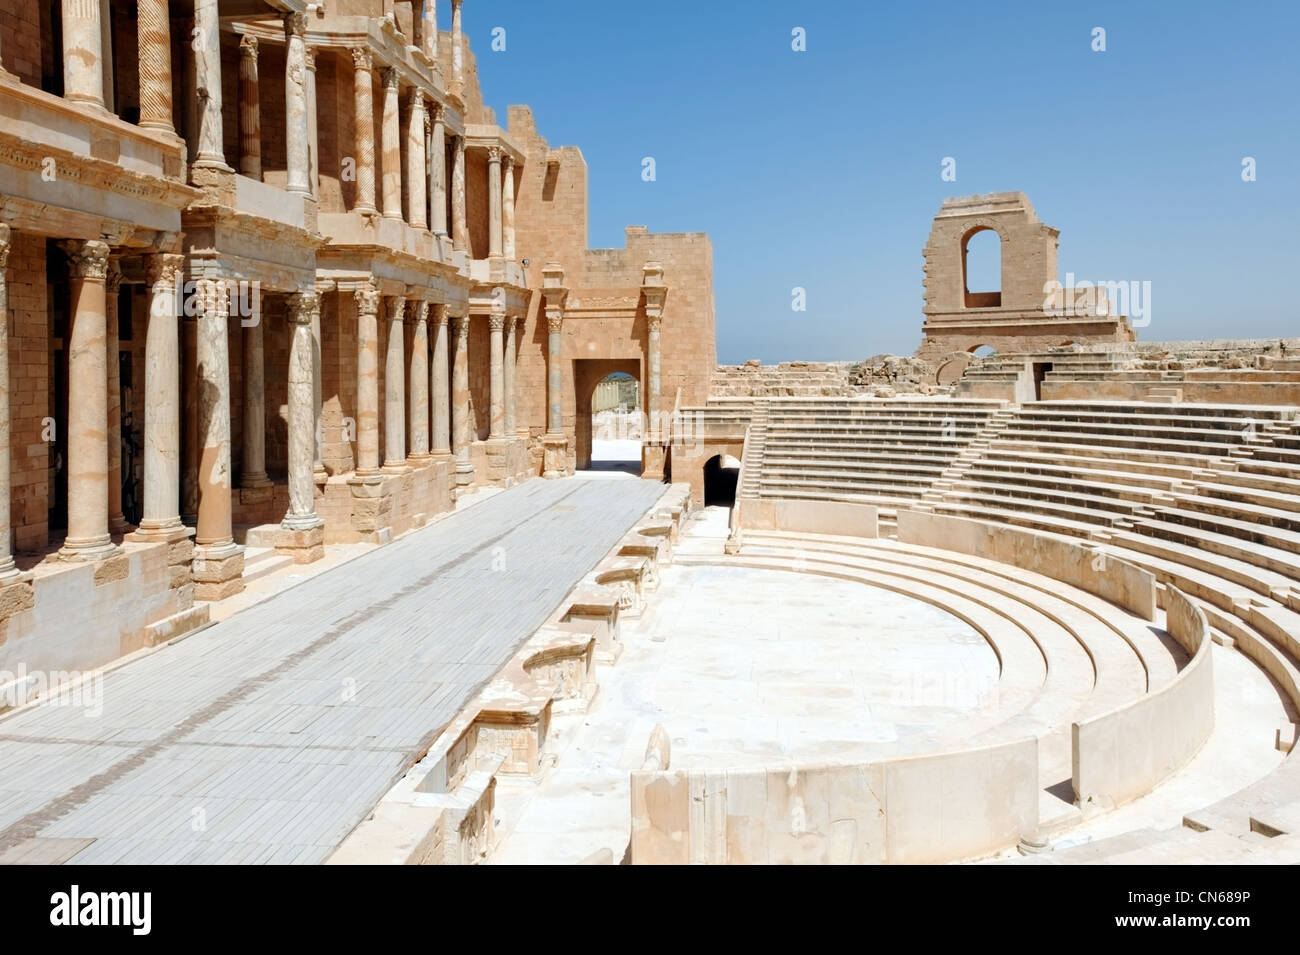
point(821, 169)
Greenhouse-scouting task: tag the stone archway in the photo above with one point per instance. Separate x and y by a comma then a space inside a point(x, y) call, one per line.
point(587, 374)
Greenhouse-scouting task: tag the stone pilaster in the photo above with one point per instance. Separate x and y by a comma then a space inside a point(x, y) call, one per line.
point(302, 532)
point(395, 388)
point(250, 110)
point(218, 561)
point(390, 144)
point(439, 389)
point(113, 285)
point(461, 434)
point(206, 52)
point(297, 154)
point(88, 537)
point(554, 443)
point(459, 224)
point(438, 172)
point(416, 175)
point(153, 38)
point(363, 99)
point(253, 482)
point(418, 311)
point(496, 379)
point(508, 209)
point(367, 381)
point(83, 52)
point(508, 375)
point(494, 201)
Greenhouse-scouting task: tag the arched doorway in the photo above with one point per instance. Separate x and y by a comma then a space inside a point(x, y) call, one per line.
point(721, 474)
point(981, 268)
point(983, 351)
point(610, 420)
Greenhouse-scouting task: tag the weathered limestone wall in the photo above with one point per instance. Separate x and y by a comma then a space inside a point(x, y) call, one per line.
point(1126, 753)
point(881, 376)
point(916, 810)
point(810, 517)
point(29, 392)
point(21, 39)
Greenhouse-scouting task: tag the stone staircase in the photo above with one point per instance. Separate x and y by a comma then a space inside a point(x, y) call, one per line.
point(751, 463)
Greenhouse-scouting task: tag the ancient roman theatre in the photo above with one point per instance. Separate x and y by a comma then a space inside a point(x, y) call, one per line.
point(355, 510)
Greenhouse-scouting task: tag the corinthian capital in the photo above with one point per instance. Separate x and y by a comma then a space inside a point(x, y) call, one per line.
point(295, 24)
point(4, 245)
point(361, 58)
point(303, 308)
point(248, 47)
point(87, 259)
point(367, 300)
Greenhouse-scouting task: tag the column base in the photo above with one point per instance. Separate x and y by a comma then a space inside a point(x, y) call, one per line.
point(303, 544)
point(256, 493)
point(119, 525)
point(180, 549)
point(419, 459)
point(555, 456)
point(319, 475)
point(400, 467)
point(88, 549)
point(372, 508)
point(218, 571)
point(652, 462)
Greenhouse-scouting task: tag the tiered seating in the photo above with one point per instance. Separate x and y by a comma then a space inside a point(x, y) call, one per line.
point(878, 451)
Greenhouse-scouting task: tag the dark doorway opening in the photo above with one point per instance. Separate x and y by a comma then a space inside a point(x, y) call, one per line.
point(1041, 368)
point(720, 482)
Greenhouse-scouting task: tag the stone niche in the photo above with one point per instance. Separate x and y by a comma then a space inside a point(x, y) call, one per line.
point(1029, 311)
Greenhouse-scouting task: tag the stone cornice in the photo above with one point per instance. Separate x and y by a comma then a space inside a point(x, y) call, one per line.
point(94, 173)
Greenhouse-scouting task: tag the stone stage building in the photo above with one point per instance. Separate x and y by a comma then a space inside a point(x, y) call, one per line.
point(272, 274)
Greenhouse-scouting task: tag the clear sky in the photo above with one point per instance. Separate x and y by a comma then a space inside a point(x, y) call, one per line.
point(821, 169)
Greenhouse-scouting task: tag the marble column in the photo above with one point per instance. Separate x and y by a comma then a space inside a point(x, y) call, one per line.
point(429, 30)
point(419, 379)
point(494, 201)
point(301, 515)
point(457, 49)
point(459, 224)
point(297, 155)
point(438, 386)
point(313, 137)
point(438, 176)
point(252, 472)
point(83, 52)
point(160, 519)
point(496, 375)
point(106, 50)
point(417, 201)
point(153, 38)
point(189, 418)
point(250, 110)
point(112, 287)
point(395, 388)
point(508, 210)
point(8, 572)
point(554, 378)
point(367, 381)
point(87, 463)
point(390, 144)
point(219, 561)
point(655, 292)
point(462, 438)
point(364, 101)
point(508, 376)
point(319, 474)
point(207, 83)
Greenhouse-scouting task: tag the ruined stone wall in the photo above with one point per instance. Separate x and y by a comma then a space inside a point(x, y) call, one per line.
point(882, 376)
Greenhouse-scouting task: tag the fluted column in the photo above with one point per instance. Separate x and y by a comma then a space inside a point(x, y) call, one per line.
point(160, 519)
point(367, 381)
point(301, 515)
point(297, 156)
point(459, 225)
point(508, 209)
point(364, 102)
point(496, 375)
point(83, 52)
point(214, 531)
point(87, 404)
point(153, 38)
point(207, 82)
point(250, 110)
point(429, 33)
point(461, 436)
point(508, 376)
point(439, 389)
point(438, 174)
point(419, 379)
point(313, 137)
point(494, 201)
point(8, 572)
point(395, 388)
point(112, 286)
point(252, 473)
point(390, 131)
point(457, 49)
point(417, 201)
